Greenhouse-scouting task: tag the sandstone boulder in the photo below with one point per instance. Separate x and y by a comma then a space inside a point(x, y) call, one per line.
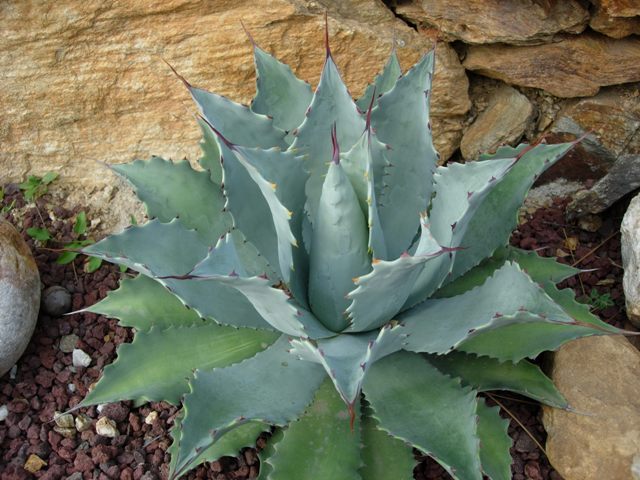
point(19, 296)
point(502, 122)
point(491, 21)
point(598, 439)
point(630, 244)
point(574, 66)
point(85, 81)
point(615, 27)
point(450, 101)
point(619, 8)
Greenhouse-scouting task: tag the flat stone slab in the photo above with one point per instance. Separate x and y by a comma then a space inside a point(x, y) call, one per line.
point(502, 122)
point(574, 66)
point(619, 8)
point(615, 27)
point(488, 21)
point(599, 440)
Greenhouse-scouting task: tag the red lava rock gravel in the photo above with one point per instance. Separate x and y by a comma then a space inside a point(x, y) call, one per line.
point(46, 381)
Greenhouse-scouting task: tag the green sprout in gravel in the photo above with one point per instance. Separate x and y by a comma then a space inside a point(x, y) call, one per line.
point(35, 186)
point(5, 208)
point(72, 249)
point(323, 275)
point(600, 301)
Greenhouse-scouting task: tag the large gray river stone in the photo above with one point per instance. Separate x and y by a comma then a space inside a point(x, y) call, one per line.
point(19, 296)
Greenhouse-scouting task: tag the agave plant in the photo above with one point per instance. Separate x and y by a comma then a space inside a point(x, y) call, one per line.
point(321, 274)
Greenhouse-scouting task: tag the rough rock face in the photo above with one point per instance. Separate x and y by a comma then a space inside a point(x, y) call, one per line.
point(619, 8)
point(615, 27)
point(88, 84)
point(630, 243)
point(610, 151)
point(450, 101)
point(19, 296)
point(502, 122)
point(623, 177)
point(598, 440)
point(574, 66)
point(492, 21)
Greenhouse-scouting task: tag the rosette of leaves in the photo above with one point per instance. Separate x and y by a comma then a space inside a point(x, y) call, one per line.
point(323, 275)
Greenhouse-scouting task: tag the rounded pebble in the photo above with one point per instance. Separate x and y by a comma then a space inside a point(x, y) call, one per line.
point(56, 301)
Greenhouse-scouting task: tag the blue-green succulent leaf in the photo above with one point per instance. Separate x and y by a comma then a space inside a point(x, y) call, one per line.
point(508, 296)
point(157, 364)
point(252, 261)
point(383, 82)
point(275, 306)
point(383, 456)
point(540, 269)
point(218, 301)
point(515, 342)
point(142, 303)
point(272, 387)
point(377, 242)
point(287, 177)
point(456, 188)
point(154, 249)
point(236, 122)
point(494, 221)
point(416, 403)
point(222, 260)
point(484, 373)
point(169, 251)
point(321, 444)
point(219, 271)
point(347, 357)
point(401, 120)
point(494, 442)
point(518, 341)
point(192, 197)
point(365, 164)
point(355, 164)
point(229, 444)
point(210, 159)
point(331, 105)
point(280, 94)
point(250, 182)
point(460, 190)
point(265, 194)
point(505, 151)
point(380, 294)
point(339, 249)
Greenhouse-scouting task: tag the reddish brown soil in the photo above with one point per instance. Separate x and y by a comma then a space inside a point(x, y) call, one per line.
point(44, 373)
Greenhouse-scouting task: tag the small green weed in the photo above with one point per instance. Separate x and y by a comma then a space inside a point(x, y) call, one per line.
point(70, 253)
point(41, 234)
point(34, 187)
point(600, 301)
point(7, 208)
